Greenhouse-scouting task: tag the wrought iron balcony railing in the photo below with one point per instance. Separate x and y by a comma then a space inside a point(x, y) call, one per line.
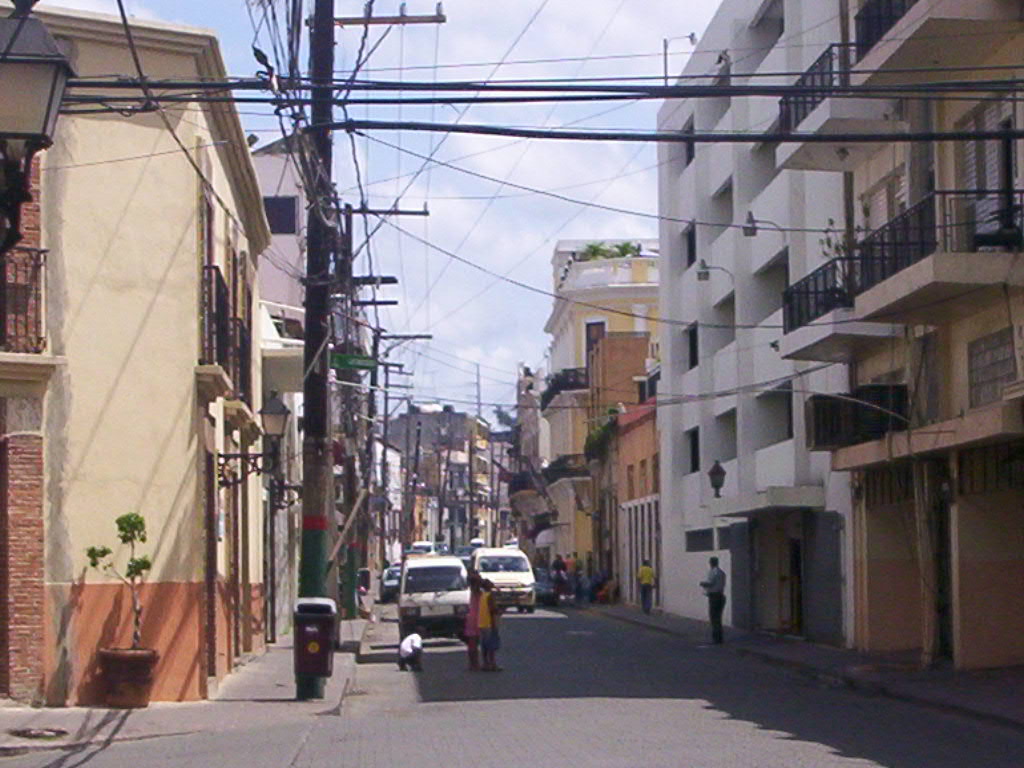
point(216, 326)
point(241, 360)
point(875, 19)
point(828, 287)
point(954, 221)
point(21, 301)
point(814, 86)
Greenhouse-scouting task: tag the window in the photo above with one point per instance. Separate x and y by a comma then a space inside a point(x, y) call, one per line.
point(725, 537)
point(656, 473)
point(435, 579)
point(282, 214)
point(643, 477)
point(693, 350)
point(693, 447)
point(689, 147)
point(701, 540)
point(630, 482)
point(990, 365)
point(690, 245)
point(594, 333)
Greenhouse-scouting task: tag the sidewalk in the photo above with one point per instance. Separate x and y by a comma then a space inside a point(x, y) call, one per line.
point(991, 695)
point(266, 681)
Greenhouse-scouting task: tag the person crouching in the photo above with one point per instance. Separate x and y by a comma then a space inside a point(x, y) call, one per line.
point(410, 653)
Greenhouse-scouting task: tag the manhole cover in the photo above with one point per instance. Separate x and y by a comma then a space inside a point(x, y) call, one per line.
point(38, 733)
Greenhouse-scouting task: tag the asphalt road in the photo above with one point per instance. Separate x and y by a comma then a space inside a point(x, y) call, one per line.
point(584, 691)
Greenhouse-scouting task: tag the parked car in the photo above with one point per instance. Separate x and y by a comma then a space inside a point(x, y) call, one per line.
point(544, 588)
point(434, 597)
point(389, 583)
point(510, 572)
point(422, 547)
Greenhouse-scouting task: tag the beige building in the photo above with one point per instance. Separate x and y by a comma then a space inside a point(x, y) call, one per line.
point(143, 376)
point(603, 287)
point(927, 309)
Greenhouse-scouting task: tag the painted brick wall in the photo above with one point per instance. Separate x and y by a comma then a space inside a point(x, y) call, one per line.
point(21, 566)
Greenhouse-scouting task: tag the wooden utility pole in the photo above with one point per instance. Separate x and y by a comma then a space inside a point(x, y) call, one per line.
point(321, 240)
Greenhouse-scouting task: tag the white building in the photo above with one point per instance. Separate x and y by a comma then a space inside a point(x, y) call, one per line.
point(780, 527)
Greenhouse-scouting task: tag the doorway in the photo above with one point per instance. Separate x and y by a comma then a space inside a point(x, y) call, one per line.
point(943, 582)
point(795, 582)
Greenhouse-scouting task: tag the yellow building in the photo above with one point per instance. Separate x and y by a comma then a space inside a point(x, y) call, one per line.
point(603, 287)
point(145, 375)
point(927, 308)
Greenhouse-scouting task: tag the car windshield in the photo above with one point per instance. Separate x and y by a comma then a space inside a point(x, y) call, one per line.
point(503, 564)
point(436, 578)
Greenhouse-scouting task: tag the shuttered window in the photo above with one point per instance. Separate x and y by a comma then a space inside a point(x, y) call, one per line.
point(990, 366)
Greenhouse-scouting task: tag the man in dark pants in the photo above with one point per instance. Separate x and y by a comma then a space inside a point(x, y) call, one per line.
point(714, 588)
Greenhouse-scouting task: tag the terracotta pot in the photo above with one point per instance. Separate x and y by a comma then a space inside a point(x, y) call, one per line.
point(128, 676)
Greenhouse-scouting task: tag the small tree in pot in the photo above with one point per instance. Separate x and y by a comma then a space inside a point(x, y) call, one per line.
point(127, 672)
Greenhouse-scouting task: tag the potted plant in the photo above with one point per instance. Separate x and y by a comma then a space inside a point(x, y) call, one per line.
point(127, 672)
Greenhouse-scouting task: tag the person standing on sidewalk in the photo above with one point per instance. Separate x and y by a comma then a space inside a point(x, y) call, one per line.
point(645, 575)
point(714, 588)
point(472, 629)
point(490, 640)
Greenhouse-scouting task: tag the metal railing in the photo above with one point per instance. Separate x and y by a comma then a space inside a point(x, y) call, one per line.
point(875, 19)
point(216, 328)
point(953, 221)
point(906, 240)
point(822, 76)
point(21, 301)
point(563, 381)
point(828, 287)
point(241, 360)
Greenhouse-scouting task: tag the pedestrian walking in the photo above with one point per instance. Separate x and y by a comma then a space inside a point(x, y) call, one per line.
point(645, 576)
point(490, 639)
point(471, 630)
point(714, 588)
point(410, 653)
point(559, 575)
point(582, 587)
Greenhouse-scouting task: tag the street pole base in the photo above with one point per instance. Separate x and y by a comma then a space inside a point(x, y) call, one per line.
point(309, 688)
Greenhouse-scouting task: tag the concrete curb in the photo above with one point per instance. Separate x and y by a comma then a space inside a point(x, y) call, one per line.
point(836, 677)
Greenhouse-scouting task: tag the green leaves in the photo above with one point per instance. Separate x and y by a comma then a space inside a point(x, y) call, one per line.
point(97, 554)
point(138, 566)
point(131, 528)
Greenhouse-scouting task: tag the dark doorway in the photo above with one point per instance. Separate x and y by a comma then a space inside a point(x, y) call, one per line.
point(796, 587)
point(943, 582)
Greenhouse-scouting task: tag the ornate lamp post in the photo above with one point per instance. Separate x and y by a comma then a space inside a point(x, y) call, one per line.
point(33, 74)
point(274, 418)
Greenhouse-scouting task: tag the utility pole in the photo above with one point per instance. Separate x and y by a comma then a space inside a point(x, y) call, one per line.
point(321, 239)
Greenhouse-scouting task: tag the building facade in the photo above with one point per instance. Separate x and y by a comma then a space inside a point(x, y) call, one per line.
point(931, 289)
point(137, 372)
point(602, 288)
point(738, 227)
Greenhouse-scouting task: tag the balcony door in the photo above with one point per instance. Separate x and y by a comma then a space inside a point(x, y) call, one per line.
point(594, 333)
point(987, 170)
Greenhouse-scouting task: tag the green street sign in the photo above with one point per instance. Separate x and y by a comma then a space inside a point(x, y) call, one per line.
point(342, 361)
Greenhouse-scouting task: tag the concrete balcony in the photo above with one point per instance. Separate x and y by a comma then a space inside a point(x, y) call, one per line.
point(774, 203)
point(941, 258)
point(900, 34)
point(819, 320)
point(837, 116)
point(721, 281)
point(720, 158)
point(725, 377)
point(776, 465)
point(604, 273)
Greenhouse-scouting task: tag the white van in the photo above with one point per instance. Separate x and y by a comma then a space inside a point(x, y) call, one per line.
point(422, 547)
point(434, 597)
point(511, 573)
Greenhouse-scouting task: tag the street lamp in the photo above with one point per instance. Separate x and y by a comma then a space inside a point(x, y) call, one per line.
point(274, 419)
point(33, 74)
point(751, 224)
point(704, 272)
point(717, 476)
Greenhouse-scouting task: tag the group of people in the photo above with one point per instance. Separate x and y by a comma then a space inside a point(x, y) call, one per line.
point(480, 631)
point(572, 579)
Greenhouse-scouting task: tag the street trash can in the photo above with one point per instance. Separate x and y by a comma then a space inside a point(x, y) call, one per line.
point(315, 629)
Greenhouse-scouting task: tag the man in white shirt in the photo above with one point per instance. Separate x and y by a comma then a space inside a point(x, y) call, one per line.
point(714, 588)
point(410, 651)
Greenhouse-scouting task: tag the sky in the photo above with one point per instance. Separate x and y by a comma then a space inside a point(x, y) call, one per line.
point(473, 317)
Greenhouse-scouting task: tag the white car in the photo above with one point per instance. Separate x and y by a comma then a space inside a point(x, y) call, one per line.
point(511, 573)
point(422, 547)
point(434, 597)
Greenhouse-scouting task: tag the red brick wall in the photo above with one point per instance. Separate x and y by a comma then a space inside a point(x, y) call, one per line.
point(21, 566)
point(30, 213)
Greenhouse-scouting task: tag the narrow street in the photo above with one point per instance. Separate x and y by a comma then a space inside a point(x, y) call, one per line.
point(580, 689)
